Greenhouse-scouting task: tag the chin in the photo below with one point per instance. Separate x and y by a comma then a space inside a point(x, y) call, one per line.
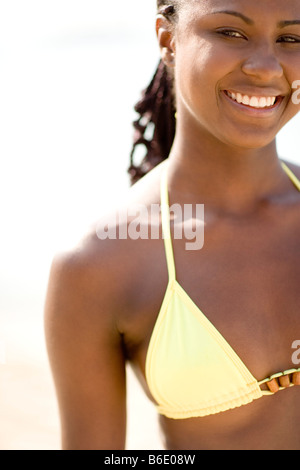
point(249, 140)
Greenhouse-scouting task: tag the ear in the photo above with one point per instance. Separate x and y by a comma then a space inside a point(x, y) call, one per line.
point(166, 40)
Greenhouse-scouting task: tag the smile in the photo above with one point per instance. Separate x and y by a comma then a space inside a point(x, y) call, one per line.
point(254, 106)
point(257, 102)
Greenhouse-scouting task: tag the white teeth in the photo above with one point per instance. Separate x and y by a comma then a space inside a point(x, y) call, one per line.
point(246, 100)
point(253, 101)
point(239, 98)
point(263, 102)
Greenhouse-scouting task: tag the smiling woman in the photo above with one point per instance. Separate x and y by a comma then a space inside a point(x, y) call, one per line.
point(209, 332)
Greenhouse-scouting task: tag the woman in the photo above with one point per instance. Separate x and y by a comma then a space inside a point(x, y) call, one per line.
point(232, 65)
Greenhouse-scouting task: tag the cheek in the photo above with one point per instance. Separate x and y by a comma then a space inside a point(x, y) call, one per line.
point(296, 94)
point(192, 73)
point(293, 107)
point(197, 76)
point(291, 67)
point(202, 66)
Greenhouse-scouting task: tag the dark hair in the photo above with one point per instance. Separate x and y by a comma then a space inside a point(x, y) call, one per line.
point(155, 127)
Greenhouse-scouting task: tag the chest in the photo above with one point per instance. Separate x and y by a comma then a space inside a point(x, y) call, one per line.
point(245, 280)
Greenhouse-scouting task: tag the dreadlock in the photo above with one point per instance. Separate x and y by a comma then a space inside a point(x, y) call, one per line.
point(156, 124)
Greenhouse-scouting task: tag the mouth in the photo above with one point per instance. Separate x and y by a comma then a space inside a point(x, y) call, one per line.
point(258, 104)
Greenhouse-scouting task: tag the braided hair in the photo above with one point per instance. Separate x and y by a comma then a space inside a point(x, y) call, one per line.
point(156, 124)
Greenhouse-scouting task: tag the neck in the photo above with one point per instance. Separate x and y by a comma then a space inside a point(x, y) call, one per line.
point(225, 177)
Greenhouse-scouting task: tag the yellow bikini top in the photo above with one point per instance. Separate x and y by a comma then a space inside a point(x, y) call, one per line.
point(191, 370)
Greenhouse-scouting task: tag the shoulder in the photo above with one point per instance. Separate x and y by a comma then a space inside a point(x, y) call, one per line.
point(104, 265)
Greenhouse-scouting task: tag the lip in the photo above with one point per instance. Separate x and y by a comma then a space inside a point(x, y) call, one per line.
point(256, 112)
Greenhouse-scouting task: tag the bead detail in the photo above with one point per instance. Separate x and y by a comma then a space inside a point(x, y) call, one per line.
point(282, 380)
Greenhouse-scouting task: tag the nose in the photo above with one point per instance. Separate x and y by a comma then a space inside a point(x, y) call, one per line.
point(263, 64)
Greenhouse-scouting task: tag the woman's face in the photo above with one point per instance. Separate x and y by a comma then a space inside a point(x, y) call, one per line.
point(235, 65)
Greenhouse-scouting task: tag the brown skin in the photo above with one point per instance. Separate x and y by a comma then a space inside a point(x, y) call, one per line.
point(104, 296)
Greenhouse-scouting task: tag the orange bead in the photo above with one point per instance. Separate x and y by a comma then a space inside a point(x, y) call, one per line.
point(284, 381)
point(273, 386)
point(296, 378)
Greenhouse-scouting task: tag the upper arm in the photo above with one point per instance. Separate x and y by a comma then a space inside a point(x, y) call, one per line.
point(86, 357)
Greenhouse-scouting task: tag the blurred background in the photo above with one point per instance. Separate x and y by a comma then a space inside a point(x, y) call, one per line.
point(71, 72)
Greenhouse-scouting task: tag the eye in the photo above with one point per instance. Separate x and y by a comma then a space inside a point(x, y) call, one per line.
point(289, 40)
point(230, 33)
